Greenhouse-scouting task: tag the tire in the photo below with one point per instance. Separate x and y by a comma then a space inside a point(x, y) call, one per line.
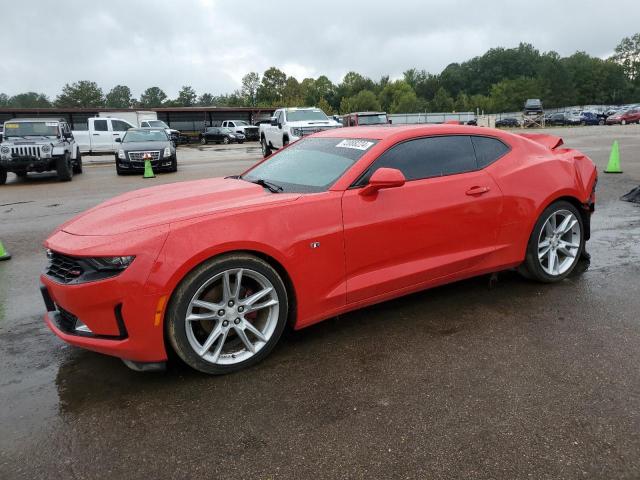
point(64, 168)
point(174, 164)
point(21, 174)
point(565, 248)
point(266, 149)
point(226, 140)
point(77, 166)
point(118, 170)
point(584, 124)
point(195, 341)
point(285, 142)
point(601, 122)
point(203, 141)
point(240, 142)
point(3, 176)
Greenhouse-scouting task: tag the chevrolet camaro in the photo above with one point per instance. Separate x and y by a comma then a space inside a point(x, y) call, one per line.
point(215, 269)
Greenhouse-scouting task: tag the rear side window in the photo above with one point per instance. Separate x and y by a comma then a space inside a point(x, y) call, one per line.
point(428, 157)
point(100, 126)
point(119, 126)
point(488, 150)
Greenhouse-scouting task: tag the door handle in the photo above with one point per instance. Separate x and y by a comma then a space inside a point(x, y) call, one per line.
point(117, 134)
point(96, 134)
point(477, 190)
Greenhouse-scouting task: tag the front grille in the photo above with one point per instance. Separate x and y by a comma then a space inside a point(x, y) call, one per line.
point(251, 132)
point(62, 268)
point(312, 130)
point(139, 156)
point(26, 151)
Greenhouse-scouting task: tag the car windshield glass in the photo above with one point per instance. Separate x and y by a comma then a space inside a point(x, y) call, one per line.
point(133, 136)
point(372, 119)
point(157, 123)
point(26, 129)
point(225, 130)
point(240, 123)
point(305, 115)
point(310, 164)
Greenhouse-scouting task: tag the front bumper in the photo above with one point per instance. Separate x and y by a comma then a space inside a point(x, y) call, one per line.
point(157, 165)
point(26, 163)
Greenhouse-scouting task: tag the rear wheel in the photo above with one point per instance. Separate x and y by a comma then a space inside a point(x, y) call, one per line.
point(555, 245)
point(64, 168)
point(3, 176)
point(225, 140)
point(227, 314)
point(203, 141)
point(266, 150)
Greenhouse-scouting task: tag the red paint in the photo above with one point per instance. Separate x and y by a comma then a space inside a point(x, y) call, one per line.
point(375, 243)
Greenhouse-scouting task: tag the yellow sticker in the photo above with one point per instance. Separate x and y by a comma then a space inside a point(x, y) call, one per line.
point(11, 125)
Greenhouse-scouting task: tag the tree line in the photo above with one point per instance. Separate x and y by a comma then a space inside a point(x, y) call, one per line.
point(498, 81)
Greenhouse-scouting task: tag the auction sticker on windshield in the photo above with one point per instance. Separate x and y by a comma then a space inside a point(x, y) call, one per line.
point(355, 144)
point(10, 125)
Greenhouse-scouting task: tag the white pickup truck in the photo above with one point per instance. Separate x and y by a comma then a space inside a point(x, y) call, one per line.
point(249, 131)
point(101, 134)
point(289, 124)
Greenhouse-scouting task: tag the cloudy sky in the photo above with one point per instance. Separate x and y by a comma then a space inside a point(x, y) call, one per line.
point(211, 44)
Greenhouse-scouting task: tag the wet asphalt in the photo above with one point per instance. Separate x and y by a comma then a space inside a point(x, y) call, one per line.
point(478, 379)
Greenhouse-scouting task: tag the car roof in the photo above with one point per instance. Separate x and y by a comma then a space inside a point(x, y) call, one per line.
point(384, 132)
point(36, 119)
point(144, 129)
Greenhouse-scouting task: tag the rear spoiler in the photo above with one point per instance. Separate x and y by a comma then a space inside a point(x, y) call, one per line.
point(549, 141)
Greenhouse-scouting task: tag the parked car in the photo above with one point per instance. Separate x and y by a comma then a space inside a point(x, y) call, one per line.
point(249, 131)
point(139, 144)
point(507, 122)
point(564, 118)
point(365, 118)
point(533, 106)
point(39, 145)
point(220, 135)
point(624, 117)
point(101, 134)
point(175, 135)
point(289, 124)
point(591, 118)
point(214, 269)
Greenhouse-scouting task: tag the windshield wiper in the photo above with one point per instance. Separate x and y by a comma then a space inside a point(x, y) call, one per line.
point(272, 187)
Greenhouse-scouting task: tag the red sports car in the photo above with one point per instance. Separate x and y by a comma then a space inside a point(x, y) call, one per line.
point(214, 269)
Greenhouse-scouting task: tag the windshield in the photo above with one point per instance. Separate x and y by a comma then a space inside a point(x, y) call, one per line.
point(26, 129)
point(133, 136)
point(305, 115)
point(310, 164)
point(240, 123)
point(372, 119)
point(157, 123)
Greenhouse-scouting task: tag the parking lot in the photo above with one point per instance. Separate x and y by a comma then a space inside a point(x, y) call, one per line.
point(472, 380)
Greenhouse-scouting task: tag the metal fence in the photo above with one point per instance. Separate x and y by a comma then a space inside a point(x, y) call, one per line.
point(410, 118)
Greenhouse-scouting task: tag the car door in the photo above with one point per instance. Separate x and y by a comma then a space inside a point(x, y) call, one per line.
point(118, 129)
point(101, 136)
point(442, 221)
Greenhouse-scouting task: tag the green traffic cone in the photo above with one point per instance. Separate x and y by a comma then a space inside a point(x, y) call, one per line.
point(4, 255)
point(614, 159)
point(148, 171)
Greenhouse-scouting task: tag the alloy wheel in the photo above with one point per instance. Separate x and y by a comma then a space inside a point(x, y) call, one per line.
point(559, 242)
point(232, 316)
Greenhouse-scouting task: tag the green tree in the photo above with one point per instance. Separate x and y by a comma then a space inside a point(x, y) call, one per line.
point(152, 97)
point(325, 107)
point(206, 100)
point(352, 83)
point(627, 54)
point(250, 84)
point(364, 100)
point(271, 89)
point(119, 97)
point(399, 97)
point(187, 97)
point(442, 101)
point(81, 94)
point(510, 95)
point(28, 100)
point(292, 93)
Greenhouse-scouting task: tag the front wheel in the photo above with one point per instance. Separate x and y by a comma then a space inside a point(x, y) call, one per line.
point(555, 245)
point(174, 164)
point(227, 314)
point(3, 176)
point(203, 141)
point(64, 168)
point(226, 140)
point(77, 166)
point(266, 150)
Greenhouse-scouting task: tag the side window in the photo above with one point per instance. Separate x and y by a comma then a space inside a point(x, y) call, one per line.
point(120, 126)
point(488, 150)
point(100, 126)
point(230, 124)
point(144, 124)
point(428, 157)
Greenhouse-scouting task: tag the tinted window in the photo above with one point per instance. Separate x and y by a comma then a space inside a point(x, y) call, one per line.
point(488, 150)
point(429, 157)
point(120, 126)
point(100, 126)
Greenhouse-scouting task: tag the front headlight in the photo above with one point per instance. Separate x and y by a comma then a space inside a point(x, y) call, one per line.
point(232, 135)
point(111, 263)
point(121, 155)
point(45, 148)
point(5, 150)
point(167, 152)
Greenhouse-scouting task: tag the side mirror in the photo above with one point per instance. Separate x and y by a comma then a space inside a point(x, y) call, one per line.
point(273, 121)
point(383, 178)
point(118, 140)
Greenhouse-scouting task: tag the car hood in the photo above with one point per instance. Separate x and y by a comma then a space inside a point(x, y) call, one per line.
point(171, 203)
point(314, 123)
point(148, 146)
